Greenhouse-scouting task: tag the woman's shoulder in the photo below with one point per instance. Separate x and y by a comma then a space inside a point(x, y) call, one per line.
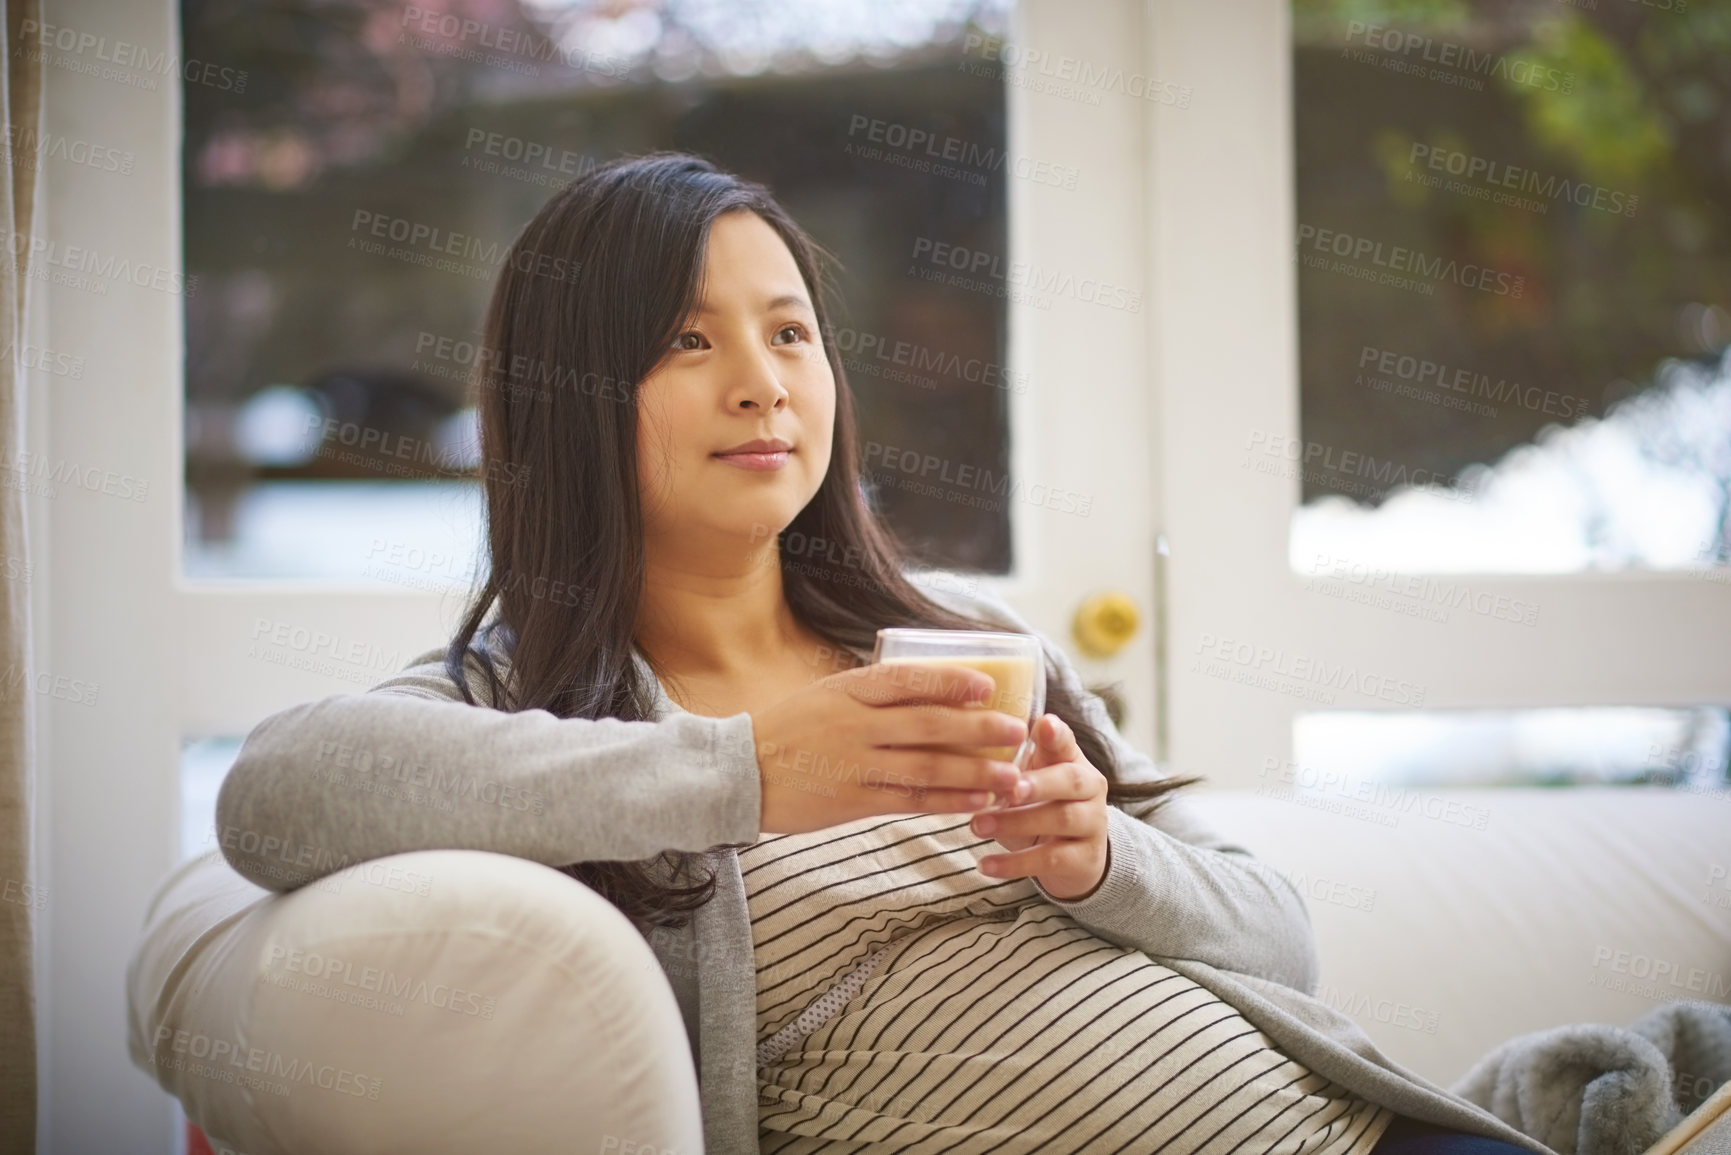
point(975, 599)
point(425, 676)
point(970, 596)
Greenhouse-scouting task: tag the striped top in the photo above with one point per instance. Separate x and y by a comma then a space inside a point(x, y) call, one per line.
point(907, 1002)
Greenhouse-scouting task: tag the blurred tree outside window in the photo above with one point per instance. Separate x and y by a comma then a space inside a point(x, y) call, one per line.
point(1513, 254)
point(1514, 266)
point(346, 212)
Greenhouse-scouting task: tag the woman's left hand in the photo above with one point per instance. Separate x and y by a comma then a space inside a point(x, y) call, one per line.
point(1058, 833)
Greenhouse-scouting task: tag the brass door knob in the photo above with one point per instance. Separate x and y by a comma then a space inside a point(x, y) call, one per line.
point(1105, 623)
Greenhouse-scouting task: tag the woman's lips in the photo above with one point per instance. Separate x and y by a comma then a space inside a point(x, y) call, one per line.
point(756, 461)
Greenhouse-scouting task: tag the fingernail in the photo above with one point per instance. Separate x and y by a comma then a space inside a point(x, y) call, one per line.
point(985, 824)
point(1023, 789)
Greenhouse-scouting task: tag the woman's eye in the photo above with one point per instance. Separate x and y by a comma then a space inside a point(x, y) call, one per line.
point(687, 341)
point(798, 332)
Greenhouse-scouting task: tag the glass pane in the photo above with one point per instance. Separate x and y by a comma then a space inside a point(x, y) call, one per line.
point(327, 425)
point(1514, 268)
point(1346, 756)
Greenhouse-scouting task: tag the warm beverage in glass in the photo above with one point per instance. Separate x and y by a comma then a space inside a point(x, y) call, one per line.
point(1014, 662)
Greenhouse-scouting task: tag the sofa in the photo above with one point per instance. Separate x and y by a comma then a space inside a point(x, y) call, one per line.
point(454, 1001)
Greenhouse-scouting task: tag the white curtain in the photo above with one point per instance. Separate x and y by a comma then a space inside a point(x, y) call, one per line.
point(22, 92)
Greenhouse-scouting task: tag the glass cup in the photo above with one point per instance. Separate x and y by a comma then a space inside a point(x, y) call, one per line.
point(1014, 662)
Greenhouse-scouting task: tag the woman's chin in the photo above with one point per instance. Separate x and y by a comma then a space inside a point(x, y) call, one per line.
point(765, 529)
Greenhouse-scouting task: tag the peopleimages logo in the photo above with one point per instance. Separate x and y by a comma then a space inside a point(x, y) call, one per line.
point(1421, 371)
point(531, 161)
point(862, 351)
point(1397, 259)
point(447, 783)
point(1380, 799)
point(926, 150)
point(1347, 470)
point(26, 147)
point(1425, 592)
point(430, 29)
point(1717, 895)
point(1510, 176)
point(374, 980)
point(1022, 275)
point(962, 482)
point(430, 245)
point(1083, 76)
point(90, 270)
point(1450, 61)
point(220, 1058)
point(43, 360)
point(95, 52)
point(1216, 653)
point(1362, 1008)
point(1649, 977)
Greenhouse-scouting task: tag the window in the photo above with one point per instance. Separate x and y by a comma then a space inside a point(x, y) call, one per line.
point(1514, 270)
point(1364, 572)
point(345, 212)
point(1346, 753)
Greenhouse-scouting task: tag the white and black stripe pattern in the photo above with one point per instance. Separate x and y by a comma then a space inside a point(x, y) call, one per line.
point(967, 1014)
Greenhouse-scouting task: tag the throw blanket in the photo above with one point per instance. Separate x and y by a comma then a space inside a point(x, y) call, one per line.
point(1598, 1090)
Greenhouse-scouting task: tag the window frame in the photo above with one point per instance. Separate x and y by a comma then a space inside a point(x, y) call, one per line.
point(1224, 219)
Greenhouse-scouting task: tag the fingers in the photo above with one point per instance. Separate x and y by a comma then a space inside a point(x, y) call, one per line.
point(1069, 869)
point(1054, 819)
point(1071, 781)
point(948, 801)
point(941, 770)
point(1062, 799)
point(1035, 860)
point(934, 725)
point(1054, 742)
point(889, 683)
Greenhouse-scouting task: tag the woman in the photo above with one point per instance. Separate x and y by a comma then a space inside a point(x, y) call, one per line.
point(663, 718)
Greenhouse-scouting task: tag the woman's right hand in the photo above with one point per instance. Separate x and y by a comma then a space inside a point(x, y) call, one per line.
point(840, 749)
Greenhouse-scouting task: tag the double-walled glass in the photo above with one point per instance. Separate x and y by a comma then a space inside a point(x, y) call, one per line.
point(1014, 662)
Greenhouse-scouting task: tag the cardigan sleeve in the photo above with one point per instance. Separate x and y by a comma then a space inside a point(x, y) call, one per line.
point(1174, 886)
point(408, 765)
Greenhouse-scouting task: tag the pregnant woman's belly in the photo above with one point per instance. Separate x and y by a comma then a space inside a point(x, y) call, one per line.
point(907, 1002)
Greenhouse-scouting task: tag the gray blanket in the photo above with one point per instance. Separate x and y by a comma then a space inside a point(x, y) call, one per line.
point(1598, 1090)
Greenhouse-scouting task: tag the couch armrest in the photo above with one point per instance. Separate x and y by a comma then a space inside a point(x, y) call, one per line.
point(441, 1001)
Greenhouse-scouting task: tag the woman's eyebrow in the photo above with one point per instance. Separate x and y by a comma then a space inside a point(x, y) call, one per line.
point(772, 304)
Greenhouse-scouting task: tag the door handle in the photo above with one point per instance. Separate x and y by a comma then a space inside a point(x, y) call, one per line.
point(1105, 623)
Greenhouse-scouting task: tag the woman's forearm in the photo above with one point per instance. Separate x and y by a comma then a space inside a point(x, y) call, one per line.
point(1171, 899)
point(407, 766)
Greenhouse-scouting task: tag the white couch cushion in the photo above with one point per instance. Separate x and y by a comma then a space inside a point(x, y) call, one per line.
point(1443, 939)
point(1440, 937)
point(447, 1001)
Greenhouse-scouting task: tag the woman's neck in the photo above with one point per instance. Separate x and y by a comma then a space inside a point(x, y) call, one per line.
point(706, 620)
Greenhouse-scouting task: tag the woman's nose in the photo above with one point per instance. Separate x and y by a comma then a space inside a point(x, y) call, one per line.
point(755, 383)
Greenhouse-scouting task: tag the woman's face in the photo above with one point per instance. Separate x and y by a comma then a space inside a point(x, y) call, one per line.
point(749, 365)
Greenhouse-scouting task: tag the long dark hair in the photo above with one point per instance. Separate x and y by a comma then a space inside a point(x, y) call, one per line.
point(587, 301)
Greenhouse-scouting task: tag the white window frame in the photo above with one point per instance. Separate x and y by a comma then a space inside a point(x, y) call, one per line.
point(1226, 355)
